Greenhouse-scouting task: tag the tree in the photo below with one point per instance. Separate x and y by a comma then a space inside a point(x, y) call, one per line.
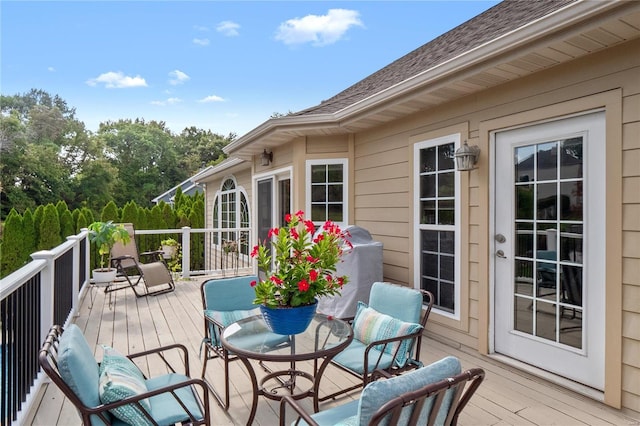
point(144, 155)
point(110, 213)
point(198, 148)
point(66, 225)
point(49, 228)
point(28, 235)
point(12, 244)
point(38, 214)
point(130, 213)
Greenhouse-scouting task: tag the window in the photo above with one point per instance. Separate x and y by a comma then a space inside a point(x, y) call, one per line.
point(231, 211)
point(327, 190)
point(437, 220)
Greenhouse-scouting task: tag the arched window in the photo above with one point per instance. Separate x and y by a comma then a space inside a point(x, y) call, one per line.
point(231, 215)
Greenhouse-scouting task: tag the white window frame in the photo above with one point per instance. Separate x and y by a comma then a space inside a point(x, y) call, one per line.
point(417, 226)
point(345, 186)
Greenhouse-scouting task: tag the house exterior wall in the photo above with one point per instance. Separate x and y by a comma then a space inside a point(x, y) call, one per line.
point(382, 195)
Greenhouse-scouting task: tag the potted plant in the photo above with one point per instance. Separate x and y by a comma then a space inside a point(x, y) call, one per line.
point(169, 248)
point(104, 235)
point(299, 268)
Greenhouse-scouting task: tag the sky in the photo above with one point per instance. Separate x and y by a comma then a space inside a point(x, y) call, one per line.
point(224, 66)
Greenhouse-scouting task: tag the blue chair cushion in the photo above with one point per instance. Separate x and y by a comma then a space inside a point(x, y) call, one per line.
point(369, 326)
point(229, 294)
point(377, 393)
point(78, 368)
point(120, 378)
point(165, 409)
point(399, 302)
point(353, 358)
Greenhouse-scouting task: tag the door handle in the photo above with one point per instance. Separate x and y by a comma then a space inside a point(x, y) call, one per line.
point(500, 254)
point(500, 238)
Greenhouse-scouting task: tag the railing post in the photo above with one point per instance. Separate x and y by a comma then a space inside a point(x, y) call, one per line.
point(75, 274)
point(186, 251)
point(87, 264)
point(46, 289)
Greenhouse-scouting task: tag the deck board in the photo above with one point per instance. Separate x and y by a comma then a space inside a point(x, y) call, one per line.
point(131, 324)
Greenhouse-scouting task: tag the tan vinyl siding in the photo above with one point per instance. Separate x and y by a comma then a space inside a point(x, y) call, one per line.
point(384, 196)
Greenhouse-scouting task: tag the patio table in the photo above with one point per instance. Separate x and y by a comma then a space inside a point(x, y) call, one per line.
point(324, 338)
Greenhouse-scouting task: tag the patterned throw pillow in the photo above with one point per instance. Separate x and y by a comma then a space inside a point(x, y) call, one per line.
point(120, 378)
point(370, 325)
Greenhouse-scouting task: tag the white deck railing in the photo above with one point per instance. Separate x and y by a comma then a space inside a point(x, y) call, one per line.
point(48, 291)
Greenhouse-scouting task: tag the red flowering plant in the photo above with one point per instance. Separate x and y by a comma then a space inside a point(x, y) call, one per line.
point(301, 264)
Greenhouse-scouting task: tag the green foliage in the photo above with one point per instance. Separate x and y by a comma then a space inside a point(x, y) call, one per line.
point(168, 215)
point(104, 235)
point(66, 225)
point(48, 156)
point(82, 221)
point(28, 235)
point(110, 213)
point(11, 257)
point(71, 222)
point(38, 214)
point(49, 229)
point(130, 213)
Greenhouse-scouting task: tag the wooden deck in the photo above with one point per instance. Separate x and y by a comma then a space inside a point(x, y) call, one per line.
point(507, 396)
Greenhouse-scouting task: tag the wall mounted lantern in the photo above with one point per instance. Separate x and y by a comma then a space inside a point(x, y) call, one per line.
point(467, 157)
point(266, 157)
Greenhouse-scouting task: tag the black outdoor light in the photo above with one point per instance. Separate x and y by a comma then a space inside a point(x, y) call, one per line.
point(467, 157)
point(266, 157)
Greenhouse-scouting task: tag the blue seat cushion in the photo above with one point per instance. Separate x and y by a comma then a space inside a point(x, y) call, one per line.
point(377, 393)
point(166, 410)
point(353, 358)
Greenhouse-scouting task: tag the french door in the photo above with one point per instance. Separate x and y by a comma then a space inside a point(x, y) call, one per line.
point(549, 244)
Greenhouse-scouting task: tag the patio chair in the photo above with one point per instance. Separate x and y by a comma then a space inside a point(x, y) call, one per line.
point(432, 395)
point(225, 301)
point(153, 272)
point(115, 392)
point(387, 334)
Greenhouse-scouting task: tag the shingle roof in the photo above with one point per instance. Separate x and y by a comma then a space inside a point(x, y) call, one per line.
point(489, 25)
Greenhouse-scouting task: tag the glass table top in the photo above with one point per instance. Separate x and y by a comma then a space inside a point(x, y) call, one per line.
point(252, 338)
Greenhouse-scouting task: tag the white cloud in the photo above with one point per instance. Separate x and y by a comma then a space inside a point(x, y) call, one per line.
point(228, 28)
point(177, 77)
point(117, 80)
point(170, 101)
point(201, 41)
point(211, 98)
point(201, 28)
point(319, 30)
point(51, 69)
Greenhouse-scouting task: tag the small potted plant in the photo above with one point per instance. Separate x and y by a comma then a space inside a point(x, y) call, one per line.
point(104, 235)
point(169, 248)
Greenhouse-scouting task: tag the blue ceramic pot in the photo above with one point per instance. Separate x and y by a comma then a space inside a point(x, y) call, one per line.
point(289, 321)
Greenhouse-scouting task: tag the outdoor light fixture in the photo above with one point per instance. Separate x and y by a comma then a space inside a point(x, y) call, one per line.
point(467, 157)
point(266, 157)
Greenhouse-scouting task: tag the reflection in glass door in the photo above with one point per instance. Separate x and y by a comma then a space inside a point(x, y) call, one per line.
point(548, 273)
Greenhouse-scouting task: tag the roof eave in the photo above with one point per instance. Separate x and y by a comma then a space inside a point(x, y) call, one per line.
point(513, 41)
